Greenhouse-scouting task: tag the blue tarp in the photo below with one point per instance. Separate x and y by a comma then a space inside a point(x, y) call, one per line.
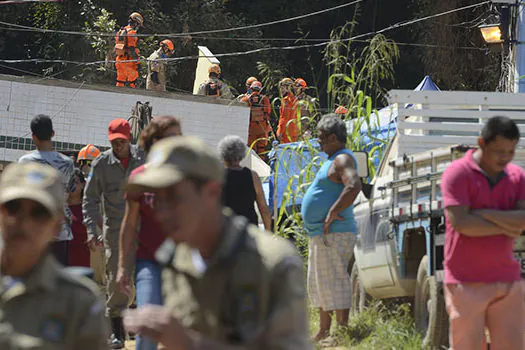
point(292, 159)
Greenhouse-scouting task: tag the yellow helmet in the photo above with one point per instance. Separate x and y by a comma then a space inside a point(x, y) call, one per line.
point(250, 81)
point(137, 17)
point(214, 68)
point(286, 81)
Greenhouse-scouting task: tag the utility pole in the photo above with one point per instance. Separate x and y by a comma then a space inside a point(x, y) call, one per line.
point(519, 85)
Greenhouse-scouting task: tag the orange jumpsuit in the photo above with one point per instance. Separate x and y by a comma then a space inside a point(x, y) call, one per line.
point(288, 130)
point(260, 109)
point(127, 72)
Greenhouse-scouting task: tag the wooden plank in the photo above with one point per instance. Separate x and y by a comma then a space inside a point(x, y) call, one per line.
point(454, 127)
point(460, 98)
point(457, 113)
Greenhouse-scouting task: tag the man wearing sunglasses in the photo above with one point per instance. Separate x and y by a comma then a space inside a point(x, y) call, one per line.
point(39, 299)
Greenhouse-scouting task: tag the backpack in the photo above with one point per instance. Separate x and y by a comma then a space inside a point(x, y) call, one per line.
point(121, 42)
point(213, 89)
point(257, 108)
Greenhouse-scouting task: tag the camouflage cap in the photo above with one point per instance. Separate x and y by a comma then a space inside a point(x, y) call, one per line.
point(35, 181)
point(174, 159)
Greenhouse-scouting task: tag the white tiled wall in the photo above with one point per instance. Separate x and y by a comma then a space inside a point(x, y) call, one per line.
point(81, 115)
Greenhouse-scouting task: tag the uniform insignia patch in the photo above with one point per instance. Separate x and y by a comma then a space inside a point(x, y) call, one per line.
point(53, 330)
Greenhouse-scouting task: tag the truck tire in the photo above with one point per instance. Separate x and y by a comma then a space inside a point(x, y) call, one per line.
point(360, 298)
point(430, 313)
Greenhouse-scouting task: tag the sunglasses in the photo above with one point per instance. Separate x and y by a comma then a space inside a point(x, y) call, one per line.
point(38, 211)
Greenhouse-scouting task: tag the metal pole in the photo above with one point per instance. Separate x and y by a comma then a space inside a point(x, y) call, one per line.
point(520, 49)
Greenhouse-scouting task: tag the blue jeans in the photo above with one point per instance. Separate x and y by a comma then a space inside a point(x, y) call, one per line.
point(148, 288)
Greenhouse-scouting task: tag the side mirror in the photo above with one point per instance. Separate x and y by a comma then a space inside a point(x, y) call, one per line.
point(362, 163)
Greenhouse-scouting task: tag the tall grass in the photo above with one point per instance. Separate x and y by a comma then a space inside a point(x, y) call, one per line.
point(378, 327)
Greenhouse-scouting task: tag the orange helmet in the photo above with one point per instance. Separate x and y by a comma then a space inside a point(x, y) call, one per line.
point(301, 82)
point(137, 17)
point(341, 110)
point(88, 152)
point(214, 68)
point(168, 43)
point(256, 86)
point(250, 81)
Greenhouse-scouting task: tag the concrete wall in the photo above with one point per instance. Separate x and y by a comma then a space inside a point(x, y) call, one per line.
point(81, 113)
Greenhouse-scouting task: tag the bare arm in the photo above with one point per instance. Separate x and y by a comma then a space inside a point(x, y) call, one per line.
point(128, 235)
point(513, 220)
point(261, 202)
point(91, 204)
point(346, 172)
point(468, 224)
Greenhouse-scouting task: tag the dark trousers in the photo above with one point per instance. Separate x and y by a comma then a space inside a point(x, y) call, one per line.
point(60, 251)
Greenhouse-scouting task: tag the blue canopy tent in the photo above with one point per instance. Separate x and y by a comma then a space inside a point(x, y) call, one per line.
point(294, 160)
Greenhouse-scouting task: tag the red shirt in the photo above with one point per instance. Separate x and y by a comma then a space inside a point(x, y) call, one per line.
point(150, 235)
point(78, 250)
point(125, 162)
point(480, 259)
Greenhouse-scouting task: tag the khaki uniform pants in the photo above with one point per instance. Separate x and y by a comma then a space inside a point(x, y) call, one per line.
point(116, 301)
point(97, 262)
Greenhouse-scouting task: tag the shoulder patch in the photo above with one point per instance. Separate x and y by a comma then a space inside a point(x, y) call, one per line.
point(53, 329)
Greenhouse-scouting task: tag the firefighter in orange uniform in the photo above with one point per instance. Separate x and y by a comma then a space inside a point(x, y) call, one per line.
point(260, 109)
point(126, 50)
point(288, 130)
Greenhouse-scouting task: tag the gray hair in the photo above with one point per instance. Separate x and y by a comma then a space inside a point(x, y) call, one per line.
point(333, 124)
point(232, 149)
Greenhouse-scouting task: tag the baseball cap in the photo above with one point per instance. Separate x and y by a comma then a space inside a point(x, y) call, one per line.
point(174, 159)
point(119, 129)
point(35, 181)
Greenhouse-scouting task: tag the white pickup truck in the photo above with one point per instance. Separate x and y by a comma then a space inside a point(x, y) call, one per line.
point(401, 225)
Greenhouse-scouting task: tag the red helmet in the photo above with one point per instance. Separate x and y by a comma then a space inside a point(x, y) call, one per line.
point(88, 152)
point(168, 43)
point(301, 82)
point(256, 86)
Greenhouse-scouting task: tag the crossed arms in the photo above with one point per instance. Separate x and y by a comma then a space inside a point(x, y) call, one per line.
point(488, 222)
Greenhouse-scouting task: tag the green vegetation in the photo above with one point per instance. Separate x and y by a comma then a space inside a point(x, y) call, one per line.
point(378, 327)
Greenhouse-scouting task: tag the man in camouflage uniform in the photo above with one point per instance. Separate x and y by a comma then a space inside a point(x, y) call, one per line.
point(227, 284)
point(41, 303)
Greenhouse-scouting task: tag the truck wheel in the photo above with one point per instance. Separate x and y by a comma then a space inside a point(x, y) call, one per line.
point(430, 313)
point(359, 296)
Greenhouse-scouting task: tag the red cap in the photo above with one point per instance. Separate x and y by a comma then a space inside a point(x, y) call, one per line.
point(119, 129)
point(301, 82)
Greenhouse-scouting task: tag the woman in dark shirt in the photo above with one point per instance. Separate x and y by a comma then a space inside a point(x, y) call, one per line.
point(243, 186)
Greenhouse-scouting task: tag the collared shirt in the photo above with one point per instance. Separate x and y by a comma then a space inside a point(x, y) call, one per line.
point(62, 311)
point(106, 182)
point(250, 293)
point(480, 259)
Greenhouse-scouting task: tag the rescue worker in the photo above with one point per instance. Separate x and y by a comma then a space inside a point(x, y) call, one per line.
point(228, 284)
point(249, 83)
point(40, 299)
point(341, 111)
point(157, 65)
point(126, 50)
point(288, 129)
point(85, 158)
point(106, 181)
point(214, 86)
point(260, 109)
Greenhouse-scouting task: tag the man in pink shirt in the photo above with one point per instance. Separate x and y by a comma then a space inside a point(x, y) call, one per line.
point(484, 196)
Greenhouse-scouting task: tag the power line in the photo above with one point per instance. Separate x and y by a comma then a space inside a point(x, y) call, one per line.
point(260, 25)
point(263, 49)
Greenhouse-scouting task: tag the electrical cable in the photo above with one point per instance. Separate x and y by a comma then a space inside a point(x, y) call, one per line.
point(263, 49)
point(42, 30)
